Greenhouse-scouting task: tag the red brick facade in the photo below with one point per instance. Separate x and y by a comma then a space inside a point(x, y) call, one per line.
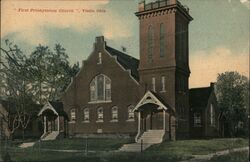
point(124, 93)
point(163, 69)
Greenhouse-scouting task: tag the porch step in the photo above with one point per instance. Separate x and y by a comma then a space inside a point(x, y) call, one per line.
point(27, 144)
point(152, 136)
point(51, 136)
point(148, 138)
point(134, 147)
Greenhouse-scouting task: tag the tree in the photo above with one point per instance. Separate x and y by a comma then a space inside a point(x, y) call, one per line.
point(16, 85)
point(30, 80)
point(51, 72)
point(232, 90)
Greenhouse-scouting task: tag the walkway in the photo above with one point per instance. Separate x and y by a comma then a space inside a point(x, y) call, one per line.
point(199, 158)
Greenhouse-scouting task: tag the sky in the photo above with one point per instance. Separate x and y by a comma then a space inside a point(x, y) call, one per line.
point(218, 35)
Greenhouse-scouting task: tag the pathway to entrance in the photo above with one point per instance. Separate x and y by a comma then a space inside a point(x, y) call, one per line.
point(200, 158)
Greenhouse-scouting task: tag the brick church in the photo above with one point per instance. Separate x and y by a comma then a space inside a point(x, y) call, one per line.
point(117, 94)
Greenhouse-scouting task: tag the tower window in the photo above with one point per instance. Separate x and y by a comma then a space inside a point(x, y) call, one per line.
point(153, 84)
point(99, 58)
point(162, 41)
point(100, 88)
point(150, 44)
point(163, 83)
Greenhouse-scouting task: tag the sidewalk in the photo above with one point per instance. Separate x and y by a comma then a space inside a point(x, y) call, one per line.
point(199, 158)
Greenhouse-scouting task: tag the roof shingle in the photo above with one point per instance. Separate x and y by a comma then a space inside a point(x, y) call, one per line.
point(128, 62)
point(198, 97)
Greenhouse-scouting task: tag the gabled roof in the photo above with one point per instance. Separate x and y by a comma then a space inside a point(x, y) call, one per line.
point(198, 97)
point(58, 106)
point(151, 98)
point(55, 106)
point(128, 62)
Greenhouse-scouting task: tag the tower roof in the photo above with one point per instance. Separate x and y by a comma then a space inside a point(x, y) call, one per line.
point(162, 6)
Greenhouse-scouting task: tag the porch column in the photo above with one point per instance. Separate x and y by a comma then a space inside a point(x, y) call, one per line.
point(164, 119)
point(139, 122)
point(58, 122)
point(151, 120)
point(44, 124)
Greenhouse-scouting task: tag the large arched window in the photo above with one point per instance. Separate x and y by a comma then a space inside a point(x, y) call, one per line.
point(162, 41)
point(100, 88)
point(150, 44)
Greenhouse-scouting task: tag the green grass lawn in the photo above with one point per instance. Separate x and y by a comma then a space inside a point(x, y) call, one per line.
point(199, 147)
point(231, 157)
point(169, 151)
point(97, 144)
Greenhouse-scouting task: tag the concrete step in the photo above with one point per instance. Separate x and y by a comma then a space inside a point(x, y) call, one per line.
point(51, 136)
point(152, 136)
point(134, 147)
point(27, 144)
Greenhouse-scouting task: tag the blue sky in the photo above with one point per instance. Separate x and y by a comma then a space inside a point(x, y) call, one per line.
point(219, 33)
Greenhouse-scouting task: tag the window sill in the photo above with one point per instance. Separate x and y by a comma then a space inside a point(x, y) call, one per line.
point(72, 122)
point(114, 120)
point(130, 120)
point(96, 102)
point(85, 121)
point(163, 91)
point(99, 121)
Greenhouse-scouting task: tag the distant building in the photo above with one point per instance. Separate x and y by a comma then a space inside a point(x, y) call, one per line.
point(8, 111)
point(117, 94)
point(204, 113)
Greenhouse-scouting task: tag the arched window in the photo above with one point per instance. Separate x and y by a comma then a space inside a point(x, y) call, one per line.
point(150, 44)
point(197, 119)
point(100, 114)
point(114, 113)
point(162, 41)
point(131, 114)
point(100, 88)
point(73, 114)
point(86, 114)
point(212, 115)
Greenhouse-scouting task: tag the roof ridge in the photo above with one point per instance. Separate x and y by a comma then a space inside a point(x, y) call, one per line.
point(122, 53)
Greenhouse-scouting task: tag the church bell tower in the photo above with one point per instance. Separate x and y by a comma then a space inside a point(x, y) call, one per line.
point(164, 56)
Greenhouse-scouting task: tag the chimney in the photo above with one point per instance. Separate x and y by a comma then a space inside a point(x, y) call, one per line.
point(99, 43)
point(99, 39)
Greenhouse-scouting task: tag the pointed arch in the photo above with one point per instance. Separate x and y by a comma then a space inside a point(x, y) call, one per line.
point(100, 88)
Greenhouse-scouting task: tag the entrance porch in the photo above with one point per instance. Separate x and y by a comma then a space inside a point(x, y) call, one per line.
point(154, 119)
point(54, 120)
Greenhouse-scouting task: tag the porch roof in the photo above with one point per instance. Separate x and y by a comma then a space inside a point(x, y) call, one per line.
point(152, 98)
point(55, 106)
